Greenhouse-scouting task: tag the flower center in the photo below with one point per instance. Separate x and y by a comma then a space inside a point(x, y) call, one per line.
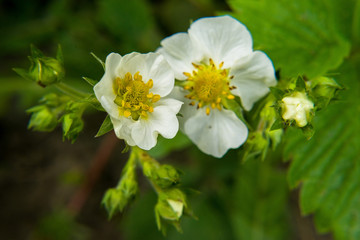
point(133, 96)
point(208, 85)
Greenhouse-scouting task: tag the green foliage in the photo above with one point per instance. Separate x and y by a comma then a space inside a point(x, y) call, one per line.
point(299, 36)
point(115, 15)
point(105, 127)
point(60, 225)
point(313, 38)
point(259, 201)
point(328, 166)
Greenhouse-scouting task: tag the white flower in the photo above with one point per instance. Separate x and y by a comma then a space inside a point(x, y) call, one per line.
point(297, 107)
point(216, 61)
point(133, 91)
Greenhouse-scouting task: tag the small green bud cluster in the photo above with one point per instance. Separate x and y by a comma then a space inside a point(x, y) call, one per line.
point(54, 109)
point(72, 123)
point(172, 203)
point(116, 199)
point(293, 103)
point(263, 137)
point(163, 176)
point(297, 102)
point(44, 70)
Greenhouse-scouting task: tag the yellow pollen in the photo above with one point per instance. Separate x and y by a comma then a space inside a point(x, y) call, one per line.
point(207, 111)
point(208, 85)
point(230, 97)
point(133, 96)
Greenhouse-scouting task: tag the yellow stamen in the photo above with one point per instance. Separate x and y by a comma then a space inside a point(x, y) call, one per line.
point(208, 85)
point(231, 97)
point(127, 113)
point(208, 111)
point(133, 96)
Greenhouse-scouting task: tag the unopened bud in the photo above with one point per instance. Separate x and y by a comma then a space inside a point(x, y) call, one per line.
point(45, 70)
point(72, 126)
point(167, 176)
point(42, 119)
point(298, 107)
point(112, 200)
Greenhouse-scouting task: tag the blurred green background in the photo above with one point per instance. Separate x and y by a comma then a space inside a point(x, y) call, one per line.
point(41, 176)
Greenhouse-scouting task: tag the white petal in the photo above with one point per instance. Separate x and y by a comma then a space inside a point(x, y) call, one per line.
point(143, 134)
point(112, 63)
point(186, 110)
point(216, 133)
point(122, 129)
point(161, 121)
point(172, 104)
point(150, 66)
point(128, 64)
point(179, 52)
point(104, 88)
point(160, 72)
point(224, 39)
point(252, 78)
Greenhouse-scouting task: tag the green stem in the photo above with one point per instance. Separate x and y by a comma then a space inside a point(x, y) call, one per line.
point(142, 158)
point(129, 168)
point(71, 91)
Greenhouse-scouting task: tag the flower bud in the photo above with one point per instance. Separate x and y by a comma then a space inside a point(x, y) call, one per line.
point(324, 86)
point(42, 119)
point(167, 176)
point(129, 186)
point(324, 89)
point(72, 126)
point(298, 107)
point(112, 200)
point(45, 70)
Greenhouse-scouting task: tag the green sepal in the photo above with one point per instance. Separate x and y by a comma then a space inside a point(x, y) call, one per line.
point(35, 52)
point(94, 102)
point(105, 127)
point(278, 124)
point(308, 131)
point(300, 84)
point(42, 119)
point(277, 93)
point(90, 81)
point(98, 59)
point(126, 148)
point(59, 55)
point(23, 73)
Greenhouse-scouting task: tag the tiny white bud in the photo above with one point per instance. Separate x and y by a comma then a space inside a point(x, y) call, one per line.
point(297, 107)
point(177, 206)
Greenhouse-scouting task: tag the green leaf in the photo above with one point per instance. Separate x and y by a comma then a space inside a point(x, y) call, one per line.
point(132, 22)
point(328, 166)
point(105, 127)
point(299, 36)
point(260, 196)
point(356, 23)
